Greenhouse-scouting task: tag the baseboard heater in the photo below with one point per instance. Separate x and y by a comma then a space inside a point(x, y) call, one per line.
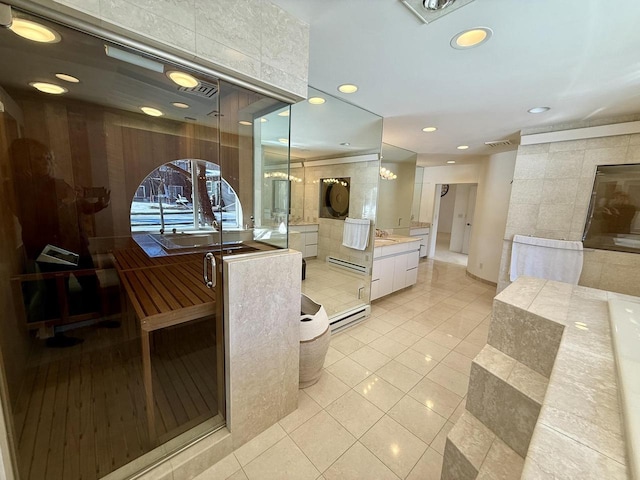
point(353, 267)
point(349, 317)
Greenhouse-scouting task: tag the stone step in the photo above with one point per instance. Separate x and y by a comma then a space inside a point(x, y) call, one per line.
point(506, 396)
point(466, 448)
point(518, 331)
point(473, 451)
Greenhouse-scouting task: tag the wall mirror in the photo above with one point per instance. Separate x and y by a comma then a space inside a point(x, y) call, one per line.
point(332, 139)
point(396, 199)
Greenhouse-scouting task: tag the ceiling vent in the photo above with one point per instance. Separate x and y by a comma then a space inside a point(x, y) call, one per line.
point(430, 10)
point(498, 143)
point(203, 89)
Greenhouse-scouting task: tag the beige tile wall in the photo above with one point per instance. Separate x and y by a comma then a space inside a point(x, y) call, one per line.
point(362, 204)
point(552, 185)
point(252, 38)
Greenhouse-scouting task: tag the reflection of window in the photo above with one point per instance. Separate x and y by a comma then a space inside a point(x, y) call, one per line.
point(168, 197)
point(612, 222)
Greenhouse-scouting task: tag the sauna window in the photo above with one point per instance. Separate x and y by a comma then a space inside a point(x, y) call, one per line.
point(165, 198)
point(613, 222)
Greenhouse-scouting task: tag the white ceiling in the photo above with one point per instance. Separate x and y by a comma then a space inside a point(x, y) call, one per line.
point(579, 57)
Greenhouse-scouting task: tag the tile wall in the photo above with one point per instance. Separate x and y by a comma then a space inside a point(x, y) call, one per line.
point(248, 38)
point(550, 196)
point(362, 204)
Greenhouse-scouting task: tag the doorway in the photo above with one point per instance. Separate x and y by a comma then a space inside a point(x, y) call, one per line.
point(452, 225)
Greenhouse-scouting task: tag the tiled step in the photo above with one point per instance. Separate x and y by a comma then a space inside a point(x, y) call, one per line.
point(473, 452)
point(467, 446)
point(525, 336)
point(506, 396)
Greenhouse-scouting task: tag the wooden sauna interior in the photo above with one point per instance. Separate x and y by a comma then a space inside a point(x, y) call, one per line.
point(79, 412)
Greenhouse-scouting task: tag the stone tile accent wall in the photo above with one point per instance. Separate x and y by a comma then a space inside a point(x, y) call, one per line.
point(362, 204)
point(550, 196)
point(253, 38)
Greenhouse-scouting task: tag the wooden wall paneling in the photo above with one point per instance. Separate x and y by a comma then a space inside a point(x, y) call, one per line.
point(57, 123)
point(120, 202)
point(97, 140)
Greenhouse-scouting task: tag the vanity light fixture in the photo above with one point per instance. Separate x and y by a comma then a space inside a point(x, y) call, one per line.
point(284, 113)
point(48, 88)
point(471, 38)
point(387, 174)
point(183, 79)
point(451, 161)
point(34, 31)
point(153, 112)
point(462, 147)
point(429, 129)
point(67, 78)
point(348, 88)
point(539, 109)
point(316, 100)
point(179, 105)
point(245, 123)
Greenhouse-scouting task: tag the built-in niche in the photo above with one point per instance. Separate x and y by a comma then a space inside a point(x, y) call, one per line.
point(613, 222)
point(334, 197)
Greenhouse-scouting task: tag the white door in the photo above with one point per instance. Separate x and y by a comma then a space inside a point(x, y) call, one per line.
point(433, 231)
point(471, 208)
point(459, 217)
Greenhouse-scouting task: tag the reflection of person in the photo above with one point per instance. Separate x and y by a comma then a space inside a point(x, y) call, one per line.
point(49, 211)
point(619, 213)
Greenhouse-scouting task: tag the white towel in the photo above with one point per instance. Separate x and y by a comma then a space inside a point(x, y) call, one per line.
point(356, 233)
point(559, 260)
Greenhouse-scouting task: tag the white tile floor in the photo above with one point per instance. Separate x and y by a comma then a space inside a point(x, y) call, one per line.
point(391, 390)
point(443, 254)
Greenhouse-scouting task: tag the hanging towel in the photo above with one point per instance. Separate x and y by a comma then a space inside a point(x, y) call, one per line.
point(356, 233)
point(546, 258)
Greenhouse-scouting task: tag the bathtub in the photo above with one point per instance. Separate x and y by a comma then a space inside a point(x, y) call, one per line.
point(625, 331)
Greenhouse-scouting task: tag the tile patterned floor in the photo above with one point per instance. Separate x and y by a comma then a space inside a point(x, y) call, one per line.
point(335, 288)
point(392, 388)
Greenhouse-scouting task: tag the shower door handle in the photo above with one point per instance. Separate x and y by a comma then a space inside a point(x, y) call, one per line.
point(209, 258)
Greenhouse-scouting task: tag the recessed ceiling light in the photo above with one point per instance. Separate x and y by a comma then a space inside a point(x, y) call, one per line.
point(183, 79)
point(67, 78)
point(179, 104)
point(48, 88)
point(284, 113)
point(539, 109)
point(34, 31)
point(154, 112)
point(462, 147)
point(451, 161)
point(283, 140)
point(316, 100)
point(471, 38)
point(263, 120)
point(429, 129)
point(348, 88)
point(244, 122)
point(346, 144)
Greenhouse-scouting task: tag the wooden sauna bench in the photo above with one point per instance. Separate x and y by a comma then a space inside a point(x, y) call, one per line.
point(163, 291)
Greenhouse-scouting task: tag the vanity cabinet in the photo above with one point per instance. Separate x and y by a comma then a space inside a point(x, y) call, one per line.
point(423, 234)
point(395, 267)
point(308, 243)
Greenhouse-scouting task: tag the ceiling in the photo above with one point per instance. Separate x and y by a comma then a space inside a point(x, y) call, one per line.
point(579, 57)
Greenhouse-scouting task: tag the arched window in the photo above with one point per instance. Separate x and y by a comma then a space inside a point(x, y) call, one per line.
point(187, 194)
